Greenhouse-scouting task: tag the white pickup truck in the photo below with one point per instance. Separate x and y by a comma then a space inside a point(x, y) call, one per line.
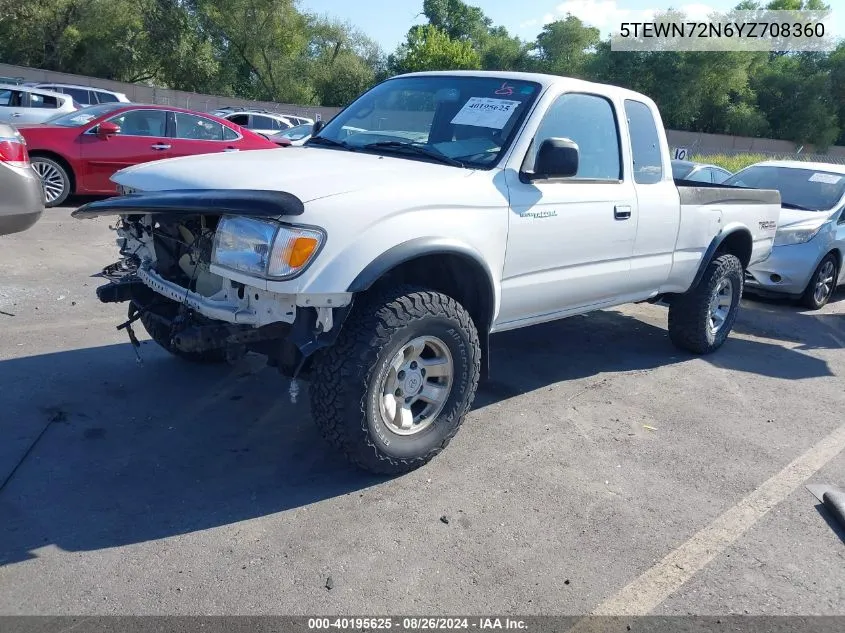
point(378, 263)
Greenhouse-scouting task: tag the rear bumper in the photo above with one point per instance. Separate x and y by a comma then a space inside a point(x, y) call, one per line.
point(21, 200)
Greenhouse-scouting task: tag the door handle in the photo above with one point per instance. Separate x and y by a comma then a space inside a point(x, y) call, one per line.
point(160, 146)
point(231, 149)
point(622, 212)
point(15, 115)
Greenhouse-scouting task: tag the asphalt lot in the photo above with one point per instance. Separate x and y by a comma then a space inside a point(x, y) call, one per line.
point(588, 465)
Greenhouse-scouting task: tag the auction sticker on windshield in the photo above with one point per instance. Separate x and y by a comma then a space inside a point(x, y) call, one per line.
point(486, 112)
point(828, 179)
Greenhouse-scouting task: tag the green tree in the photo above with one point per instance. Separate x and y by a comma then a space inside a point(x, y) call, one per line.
point(344, 62)
point(796, 95)
point(457, 19)
point(565, 47)
point(430, 48)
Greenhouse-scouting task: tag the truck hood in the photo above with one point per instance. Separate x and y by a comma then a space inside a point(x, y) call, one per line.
point(791, 219)
point(309, 173)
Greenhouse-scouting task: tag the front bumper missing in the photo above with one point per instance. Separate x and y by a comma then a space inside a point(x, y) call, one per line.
point(284, 327)
point(256, 308)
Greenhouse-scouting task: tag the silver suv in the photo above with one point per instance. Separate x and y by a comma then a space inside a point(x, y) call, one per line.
point(259, 121)
point(25, 104)
point(86, 95)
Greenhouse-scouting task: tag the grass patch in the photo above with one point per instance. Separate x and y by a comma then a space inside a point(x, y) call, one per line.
point(735, 162)
point(732, 162)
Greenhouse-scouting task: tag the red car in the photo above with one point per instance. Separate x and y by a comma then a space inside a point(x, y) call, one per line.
point(77, 152)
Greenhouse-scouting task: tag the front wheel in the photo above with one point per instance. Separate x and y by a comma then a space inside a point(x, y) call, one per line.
point(54, 180)
point(394, 388)
point(822, 284)
point(701, 319)
point(160, 333)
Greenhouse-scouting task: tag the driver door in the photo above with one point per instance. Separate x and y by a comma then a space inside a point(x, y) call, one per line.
point(142, 138)
point(570, 240)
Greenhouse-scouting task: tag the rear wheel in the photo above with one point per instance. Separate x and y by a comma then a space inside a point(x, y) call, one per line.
point(822, 284)
point(55, 180)
point(394, 388)
point(701, 319)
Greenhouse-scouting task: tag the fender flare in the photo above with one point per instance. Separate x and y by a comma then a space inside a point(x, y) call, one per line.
point(422, 246)
point(715, 243)
point(417, 247)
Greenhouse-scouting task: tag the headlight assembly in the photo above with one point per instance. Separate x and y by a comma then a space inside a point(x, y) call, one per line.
point(786, 237)
point(264, 248)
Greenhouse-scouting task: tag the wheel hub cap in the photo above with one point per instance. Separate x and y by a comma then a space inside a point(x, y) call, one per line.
point(824, 283)
point(51, 180)
point(415, 385)
point(720, 305)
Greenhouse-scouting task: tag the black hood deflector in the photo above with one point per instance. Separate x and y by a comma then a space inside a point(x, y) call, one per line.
point(253, 202)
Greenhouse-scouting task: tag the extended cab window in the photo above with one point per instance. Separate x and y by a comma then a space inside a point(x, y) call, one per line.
point(588, 120)
point(645, 143)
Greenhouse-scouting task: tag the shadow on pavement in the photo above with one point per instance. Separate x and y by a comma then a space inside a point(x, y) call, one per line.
point(141, 452)
point(609, 341)
point(831, 521)
point(133, 453)
point(786, 321)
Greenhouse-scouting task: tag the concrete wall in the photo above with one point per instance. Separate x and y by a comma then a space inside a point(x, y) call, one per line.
point(140, 93)
point(695, 142)
point(724, 144)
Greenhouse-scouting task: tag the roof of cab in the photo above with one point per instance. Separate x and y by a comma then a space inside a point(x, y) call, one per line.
point(544, 80)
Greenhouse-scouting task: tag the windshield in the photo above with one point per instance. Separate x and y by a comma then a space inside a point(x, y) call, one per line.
point(83, 116)
point(298, 132)
point(801, 188)
point(470, 119)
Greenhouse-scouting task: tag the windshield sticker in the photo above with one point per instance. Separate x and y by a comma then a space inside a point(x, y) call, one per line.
point(505, 90)
point(486, 112)
point(828, 179)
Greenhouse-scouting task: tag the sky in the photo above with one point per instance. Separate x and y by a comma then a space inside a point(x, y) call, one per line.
point(387, 21)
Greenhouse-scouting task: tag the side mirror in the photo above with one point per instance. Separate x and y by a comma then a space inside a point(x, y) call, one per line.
point(107, 129)
point(318, 125)
point(556, 158)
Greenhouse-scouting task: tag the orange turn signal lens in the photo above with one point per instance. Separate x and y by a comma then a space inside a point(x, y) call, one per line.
point(300, 250)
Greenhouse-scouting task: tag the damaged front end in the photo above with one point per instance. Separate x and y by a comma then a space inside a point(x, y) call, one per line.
point(197, 266)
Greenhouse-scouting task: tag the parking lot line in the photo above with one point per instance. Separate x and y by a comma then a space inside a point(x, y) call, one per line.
point(642, 595)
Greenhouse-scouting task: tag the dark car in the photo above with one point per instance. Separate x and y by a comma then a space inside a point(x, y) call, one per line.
point(699, 172)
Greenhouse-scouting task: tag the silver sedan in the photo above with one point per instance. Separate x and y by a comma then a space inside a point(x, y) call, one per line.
point(21, 194)
point(806, 262)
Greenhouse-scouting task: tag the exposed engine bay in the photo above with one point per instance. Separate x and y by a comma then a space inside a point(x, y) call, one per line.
point(180, 251)
point(165, 275)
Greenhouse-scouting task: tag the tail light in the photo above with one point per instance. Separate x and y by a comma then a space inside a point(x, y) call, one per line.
point(13, 150)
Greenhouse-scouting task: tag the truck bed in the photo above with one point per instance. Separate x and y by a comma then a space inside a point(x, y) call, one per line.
point(707, 210)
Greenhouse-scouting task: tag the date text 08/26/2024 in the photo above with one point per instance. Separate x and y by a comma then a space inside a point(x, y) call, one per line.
point(416, 624)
